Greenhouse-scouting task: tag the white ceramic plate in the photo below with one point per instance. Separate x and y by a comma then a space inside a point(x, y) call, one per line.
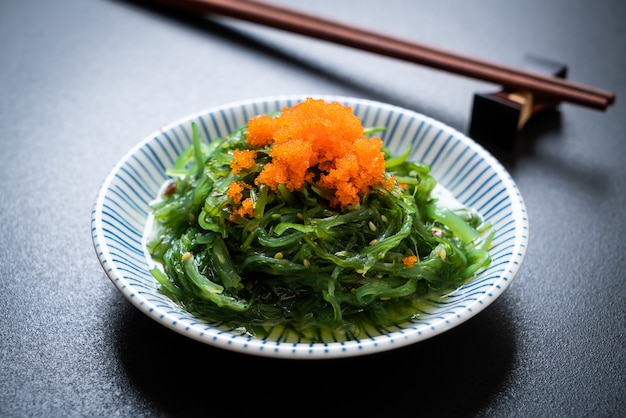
point(469, 172)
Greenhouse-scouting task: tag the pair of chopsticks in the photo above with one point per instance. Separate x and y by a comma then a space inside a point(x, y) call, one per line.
point(543, 87)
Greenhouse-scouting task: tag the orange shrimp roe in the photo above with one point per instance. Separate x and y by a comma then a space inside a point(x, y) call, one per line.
point(410, 261)
point(242, 160)
point(319, 137)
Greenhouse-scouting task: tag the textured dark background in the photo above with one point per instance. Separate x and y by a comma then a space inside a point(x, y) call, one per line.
point(82, 81)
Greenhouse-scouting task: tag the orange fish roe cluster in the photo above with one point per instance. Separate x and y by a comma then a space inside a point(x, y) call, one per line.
point(245, 206)
point(260, 131)
point(246, 209)
point(235, 191)
point(242, 160)
point(410, 261)
point(319, 141)
point(390, 182)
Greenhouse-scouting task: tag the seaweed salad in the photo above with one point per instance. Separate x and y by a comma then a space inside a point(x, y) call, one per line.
point(304, 220)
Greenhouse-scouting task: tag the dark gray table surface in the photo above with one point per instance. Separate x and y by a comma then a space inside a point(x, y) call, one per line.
point(83, 81)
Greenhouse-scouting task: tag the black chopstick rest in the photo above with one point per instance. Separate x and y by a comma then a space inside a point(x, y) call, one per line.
point(498, 117)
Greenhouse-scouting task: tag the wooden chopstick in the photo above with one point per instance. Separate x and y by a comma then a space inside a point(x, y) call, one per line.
point(542, 86)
